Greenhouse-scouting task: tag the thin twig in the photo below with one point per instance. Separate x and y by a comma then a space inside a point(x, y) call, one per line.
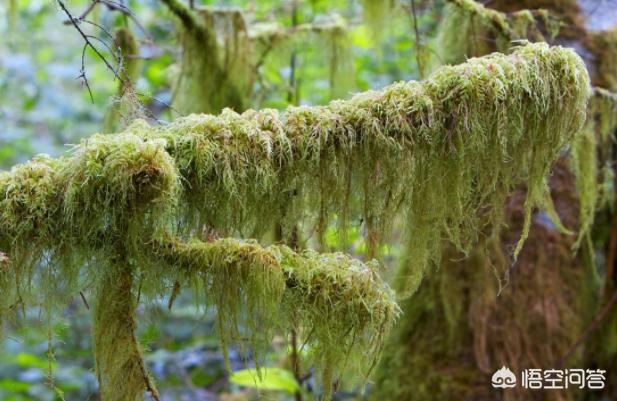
point(113, 6)
point(83, 298)
point(88, 43)
point(591, 328)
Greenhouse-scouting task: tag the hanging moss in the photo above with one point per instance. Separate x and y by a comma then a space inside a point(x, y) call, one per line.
point(376, 14)
point(482, 312)
point(463, 324)
point(598, 48)
point(591, 159)
point(469, 29)
point(341, 305)
point(441, 150)
point(505, 28)
point(215, 70)
point(330, 38)
point(125, 107)
point(447, 152)
point(221, 54)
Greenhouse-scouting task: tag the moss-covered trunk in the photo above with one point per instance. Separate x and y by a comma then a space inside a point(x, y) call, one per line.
point(120, 367)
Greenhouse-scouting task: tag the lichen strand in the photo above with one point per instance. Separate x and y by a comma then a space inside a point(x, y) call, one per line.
point(120, 368)
point(340, 303)
point(215, 69)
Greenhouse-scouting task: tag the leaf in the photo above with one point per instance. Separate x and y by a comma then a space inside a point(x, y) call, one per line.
point(26, 360)
point(271, 379)
point(14, 386)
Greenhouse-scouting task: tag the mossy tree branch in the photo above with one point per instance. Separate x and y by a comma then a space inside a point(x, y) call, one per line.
point(184, 13)
point(445, 152)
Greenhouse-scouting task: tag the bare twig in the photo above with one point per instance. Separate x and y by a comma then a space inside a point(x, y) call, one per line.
point(88, 43)
point(113, 6)
point(83, 298)
point(595, 324)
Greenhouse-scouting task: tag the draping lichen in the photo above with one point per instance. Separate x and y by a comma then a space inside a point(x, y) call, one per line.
point(446, 152)
point(591, 159)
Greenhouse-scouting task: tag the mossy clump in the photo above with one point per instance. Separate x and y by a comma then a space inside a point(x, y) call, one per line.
point(340, 304)
point(117, 188)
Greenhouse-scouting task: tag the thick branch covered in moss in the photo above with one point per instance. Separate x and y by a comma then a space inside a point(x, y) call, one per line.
point(443, 151)
point(446, 152)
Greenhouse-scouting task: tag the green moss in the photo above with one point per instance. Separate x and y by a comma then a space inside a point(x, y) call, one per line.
point(126, 106)
point(120, 368)
point(469, 29)
point(340, 305)
point(445, 152)
point(215, 69)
